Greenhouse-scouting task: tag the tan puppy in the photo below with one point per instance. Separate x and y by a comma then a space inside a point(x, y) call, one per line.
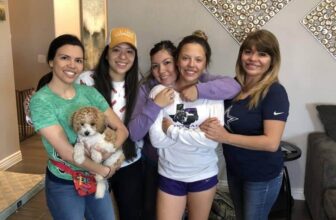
point(93, 134)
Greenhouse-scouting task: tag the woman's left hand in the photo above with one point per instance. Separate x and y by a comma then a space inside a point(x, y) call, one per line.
point(166, 122)
point(214, 130)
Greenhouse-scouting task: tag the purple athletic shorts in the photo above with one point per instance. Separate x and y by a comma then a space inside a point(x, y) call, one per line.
point(179, 188)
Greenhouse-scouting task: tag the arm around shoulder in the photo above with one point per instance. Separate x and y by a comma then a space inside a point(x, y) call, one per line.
point(218, 88)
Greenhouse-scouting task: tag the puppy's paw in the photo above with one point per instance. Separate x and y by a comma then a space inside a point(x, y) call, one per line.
point(79, 153)
point(105, 147)
point(96, 156)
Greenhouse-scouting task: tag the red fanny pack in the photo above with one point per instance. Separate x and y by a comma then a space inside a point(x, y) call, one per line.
point(85, 184)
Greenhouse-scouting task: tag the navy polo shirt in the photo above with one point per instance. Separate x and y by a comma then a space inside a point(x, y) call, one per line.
point(252, 165)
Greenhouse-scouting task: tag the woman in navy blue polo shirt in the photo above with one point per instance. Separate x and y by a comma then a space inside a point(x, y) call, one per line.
point(254, 123)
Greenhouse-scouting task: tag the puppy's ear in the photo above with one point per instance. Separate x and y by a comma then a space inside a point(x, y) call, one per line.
point(72, 120)
point(110, 135)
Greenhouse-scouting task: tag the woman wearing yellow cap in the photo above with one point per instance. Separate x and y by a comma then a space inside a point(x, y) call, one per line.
point(116, 78)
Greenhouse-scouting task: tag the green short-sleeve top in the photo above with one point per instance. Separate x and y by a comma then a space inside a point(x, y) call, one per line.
point(47, 109)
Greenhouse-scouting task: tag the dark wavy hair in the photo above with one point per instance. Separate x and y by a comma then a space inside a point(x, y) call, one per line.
point(103, 84)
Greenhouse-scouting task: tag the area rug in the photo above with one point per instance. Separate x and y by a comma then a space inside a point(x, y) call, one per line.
point(17, 189)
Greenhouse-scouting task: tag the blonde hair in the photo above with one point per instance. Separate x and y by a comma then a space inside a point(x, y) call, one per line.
point(264, 41)
point(201, 34)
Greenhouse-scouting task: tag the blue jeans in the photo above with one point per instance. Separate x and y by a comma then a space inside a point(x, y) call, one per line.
point(253, 200)
point(65, 204)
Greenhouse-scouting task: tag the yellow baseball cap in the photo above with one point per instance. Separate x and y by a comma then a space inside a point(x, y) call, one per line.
point(122, 35)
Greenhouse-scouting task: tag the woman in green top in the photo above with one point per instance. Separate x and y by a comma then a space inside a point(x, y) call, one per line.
point(51, 109)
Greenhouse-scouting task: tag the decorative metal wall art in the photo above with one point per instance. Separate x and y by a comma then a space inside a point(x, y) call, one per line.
point(321, 23)
point(242, 17)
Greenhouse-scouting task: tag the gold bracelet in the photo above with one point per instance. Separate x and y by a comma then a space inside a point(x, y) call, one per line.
point(108, 173)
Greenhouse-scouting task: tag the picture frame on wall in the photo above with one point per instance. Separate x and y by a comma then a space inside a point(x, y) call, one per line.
point(93, 18)
point(2, 11)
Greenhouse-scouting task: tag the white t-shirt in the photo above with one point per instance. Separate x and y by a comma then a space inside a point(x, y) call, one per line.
point(185, 154)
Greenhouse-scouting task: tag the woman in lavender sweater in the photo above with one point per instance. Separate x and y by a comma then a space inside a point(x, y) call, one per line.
point(163, 71)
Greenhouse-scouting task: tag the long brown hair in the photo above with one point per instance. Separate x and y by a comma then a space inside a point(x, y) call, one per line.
point(103, 84)
point(264, 41)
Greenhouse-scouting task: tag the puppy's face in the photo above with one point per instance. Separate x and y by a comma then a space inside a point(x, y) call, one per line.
point(88, 121)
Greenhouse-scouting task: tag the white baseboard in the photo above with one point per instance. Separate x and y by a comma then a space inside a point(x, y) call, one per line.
point(10, 160)
point(297, 193)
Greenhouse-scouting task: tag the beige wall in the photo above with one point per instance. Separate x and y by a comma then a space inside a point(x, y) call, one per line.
point(25, 37)
point(9, 137)
point(66, 16)
point(32, 28)
point(308, 70)
point(34, 23)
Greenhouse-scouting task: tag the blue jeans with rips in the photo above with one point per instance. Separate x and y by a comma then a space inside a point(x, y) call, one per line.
point(254, 200)
point(64, 203)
